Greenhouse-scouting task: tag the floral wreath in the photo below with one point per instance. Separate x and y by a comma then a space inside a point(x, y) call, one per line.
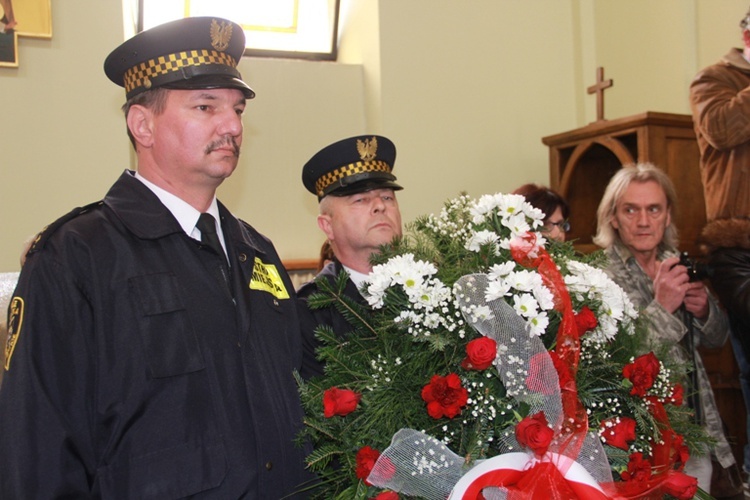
point(493, 364)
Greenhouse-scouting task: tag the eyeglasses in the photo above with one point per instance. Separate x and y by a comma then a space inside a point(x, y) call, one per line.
point(563, 226)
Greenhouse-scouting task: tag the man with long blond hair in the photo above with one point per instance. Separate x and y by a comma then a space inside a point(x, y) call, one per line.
point(634, 226)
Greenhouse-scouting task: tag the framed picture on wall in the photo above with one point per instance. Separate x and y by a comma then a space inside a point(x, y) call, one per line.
point(33, 17)
point(9, 49)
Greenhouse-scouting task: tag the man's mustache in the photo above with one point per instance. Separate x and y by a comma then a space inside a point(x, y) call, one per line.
point(223, 142)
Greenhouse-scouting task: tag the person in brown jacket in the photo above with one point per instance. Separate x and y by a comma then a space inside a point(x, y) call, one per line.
point(720, 103)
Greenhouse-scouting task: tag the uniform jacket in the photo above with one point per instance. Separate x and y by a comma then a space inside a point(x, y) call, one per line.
point(720, 102)
point(135, 374)
point(311, 319)
point(669, 328)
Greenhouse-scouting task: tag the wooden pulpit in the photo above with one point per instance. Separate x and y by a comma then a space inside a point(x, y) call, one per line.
point(582, 161)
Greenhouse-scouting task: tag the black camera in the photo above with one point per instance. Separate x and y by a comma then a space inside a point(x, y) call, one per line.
point(697, 271)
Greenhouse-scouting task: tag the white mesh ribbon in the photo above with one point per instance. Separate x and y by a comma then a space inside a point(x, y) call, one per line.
point(419, 465)
point(416, 464)
point(523, 363)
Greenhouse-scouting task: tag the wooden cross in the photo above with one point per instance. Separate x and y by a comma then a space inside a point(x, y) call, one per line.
point(598, 89)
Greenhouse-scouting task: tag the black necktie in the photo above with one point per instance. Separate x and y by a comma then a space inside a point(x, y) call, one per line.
point(207, 226)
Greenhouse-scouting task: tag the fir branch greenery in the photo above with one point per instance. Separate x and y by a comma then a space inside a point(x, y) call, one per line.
point(416, 328)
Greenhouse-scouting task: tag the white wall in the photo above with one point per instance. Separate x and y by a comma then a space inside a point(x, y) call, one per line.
point(60, 127)
point(469, 89)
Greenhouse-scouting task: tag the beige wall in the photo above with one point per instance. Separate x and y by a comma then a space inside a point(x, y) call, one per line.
point(465, 89)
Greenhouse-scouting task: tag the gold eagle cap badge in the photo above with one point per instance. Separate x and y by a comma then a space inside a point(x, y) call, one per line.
point(220, 35)
point(367, 149)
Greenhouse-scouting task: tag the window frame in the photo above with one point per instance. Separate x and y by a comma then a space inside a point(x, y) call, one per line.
point(331, 55)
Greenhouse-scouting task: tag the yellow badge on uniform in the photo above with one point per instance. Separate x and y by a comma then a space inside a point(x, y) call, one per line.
point(267, 278)
point(15, 321)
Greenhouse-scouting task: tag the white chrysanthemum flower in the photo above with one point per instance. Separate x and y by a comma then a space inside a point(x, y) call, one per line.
point(525, 305)
point(524, 280)
point(379, 281)
point(422, 297)
point(429, 298)
point(411, 280)
point(498, 271)
point(496, 289)
point(544, 297)
point(405, 267)
point(481, 207)
point(517, 224)
point(592, 285)
point(440, 294)
point(536, 215)
point(402, 270)
point(479, 238)
point(538, 324)
point(509, 205)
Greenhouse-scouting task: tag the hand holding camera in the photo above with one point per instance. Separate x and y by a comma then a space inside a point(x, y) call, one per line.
point(697, 271)
point(696, 296)
point(676, 284)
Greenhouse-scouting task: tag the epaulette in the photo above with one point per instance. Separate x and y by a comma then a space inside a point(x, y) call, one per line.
point(41, 238)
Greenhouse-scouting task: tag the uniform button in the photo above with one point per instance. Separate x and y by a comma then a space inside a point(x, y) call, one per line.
point(269, 465)
point(276, 302)
point(243, 257)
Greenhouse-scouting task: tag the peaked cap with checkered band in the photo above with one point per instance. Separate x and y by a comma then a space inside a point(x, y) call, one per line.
point(351, 166)
point(190, 53)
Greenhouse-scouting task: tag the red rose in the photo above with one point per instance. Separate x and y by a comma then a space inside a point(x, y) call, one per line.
point(339, 402)
point(678, 393)
point(534, 433)
point(585, 320)
point(387, 495)
point(639, 470)
point(539, 374)
point(444, 396)
point(366, 458)
point(642, 372)
point(480, 353)
point(617, 431)
point(681, 486)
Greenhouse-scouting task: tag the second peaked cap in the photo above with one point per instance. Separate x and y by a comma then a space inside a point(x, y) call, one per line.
point(351, 166)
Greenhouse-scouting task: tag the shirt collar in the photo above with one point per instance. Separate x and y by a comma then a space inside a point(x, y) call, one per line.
point(186, 215)
point(621, 251)
point(624, 254)
point(356, 277)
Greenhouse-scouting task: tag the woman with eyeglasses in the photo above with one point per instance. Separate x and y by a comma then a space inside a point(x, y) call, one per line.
point(553, 205)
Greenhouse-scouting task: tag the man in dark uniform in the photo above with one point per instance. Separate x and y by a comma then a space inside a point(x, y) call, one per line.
point(355, 186)
point(151, 346)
